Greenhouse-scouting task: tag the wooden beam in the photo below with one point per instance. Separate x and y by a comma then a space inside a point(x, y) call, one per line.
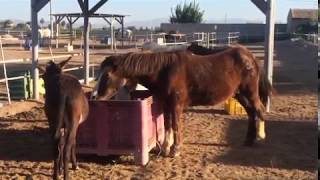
point(81, 4)
point(97, 6)
point(75, 20)
point(39, 4)
point(86, 41)
point(119, 19)
point(269, 42)
point(261, 4)
point(107, 20)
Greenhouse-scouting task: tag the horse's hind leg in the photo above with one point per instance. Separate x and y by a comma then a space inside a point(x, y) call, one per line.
point(258, 109)
point(251, 132)
point(168, 139)
point(177, 127)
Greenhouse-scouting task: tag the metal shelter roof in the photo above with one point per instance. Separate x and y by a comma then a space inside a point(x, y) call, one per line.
point(95, 15)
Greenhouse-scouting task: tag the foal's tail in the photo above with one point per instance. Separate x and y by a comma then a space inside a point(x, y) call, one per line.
point(60, 115)
point(265, 88)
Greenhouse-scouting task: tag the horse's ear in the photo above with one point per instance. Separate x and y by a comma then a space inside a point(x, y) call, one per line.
point(64, 63)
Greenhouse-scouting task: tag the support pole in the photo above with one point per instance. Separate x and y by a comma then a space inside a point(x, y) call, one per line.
point(57, 33)
point(122, 31)
point(51, 24)
point(70, 30)
point(269, 43)
point(86, 41)
point(35, 49)
point(112, 33)
point(5, 73)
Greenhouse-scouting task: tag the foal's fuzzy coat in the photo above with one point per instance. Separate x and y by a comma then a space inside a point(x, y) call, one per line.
point(66, 107)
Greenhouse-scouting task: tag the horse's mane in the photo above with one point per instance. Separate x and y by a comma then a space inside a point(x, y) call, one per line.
point(146, 63)
point(200, 50)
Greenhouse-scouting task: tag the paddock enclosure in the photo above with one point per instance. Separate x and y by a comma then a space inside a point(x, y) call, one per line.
point(213, 140)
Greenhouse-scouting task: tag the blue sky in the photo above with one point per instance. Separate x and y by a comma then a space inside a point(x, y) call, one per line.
point(143, 10)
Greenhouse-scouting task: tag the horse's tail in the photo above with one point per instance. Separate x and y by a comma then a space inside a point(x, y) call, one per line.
point(265, 88)
point(60, 115)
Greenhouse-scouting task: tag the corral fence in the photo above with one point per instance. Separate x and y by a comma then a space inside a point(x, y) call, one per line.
point(6, 78)
point(313, 37)
point(207, 39)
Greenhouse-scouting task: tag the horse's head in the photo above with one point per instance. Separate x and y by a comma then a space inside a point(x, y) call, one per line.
point(110, 81)
point(52, 69)
point(194, 47)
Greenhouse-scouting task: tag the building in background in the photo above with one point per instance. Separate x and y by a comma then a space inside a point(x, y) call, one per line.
point(299, 18)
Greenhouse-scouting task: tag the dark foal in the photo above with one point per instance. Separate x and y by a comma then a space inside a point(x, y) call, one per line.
point(66, 106)
point(180, 79)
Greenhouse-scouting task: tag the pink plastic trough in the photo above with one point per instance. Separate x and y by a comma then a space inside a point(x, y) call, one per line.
point(122, 127)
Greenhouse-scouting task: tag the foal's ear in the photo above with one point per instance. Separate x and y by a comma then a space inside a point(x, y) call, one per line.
point(42, 69)
point(64, 63)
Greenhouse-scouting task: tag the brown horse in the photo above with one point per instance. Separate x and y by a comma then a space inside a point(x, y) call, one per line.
point(180, 79)
point(66, 106)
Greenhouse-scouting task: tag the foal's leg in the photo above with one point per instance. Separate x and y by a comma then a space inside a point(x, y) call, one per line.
point(56, 157)
point(73, 156)
point(70, 139)
point(62, 142)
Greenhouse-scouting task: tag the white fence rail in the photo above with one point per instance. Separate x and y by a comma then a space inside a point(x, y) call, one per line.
point(208, 39)
point(314, 38)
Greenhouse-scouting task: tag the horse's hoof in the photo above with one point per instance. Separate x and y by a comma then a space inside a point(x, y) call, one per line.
point(248, 142)
point(175, 152)
point(261, 139)
point(166, 152)
point(76, 167)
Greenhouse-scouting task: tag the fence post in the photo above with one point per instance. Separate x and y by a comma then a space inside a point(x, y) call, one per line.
point(208, 40)
point(5, 72)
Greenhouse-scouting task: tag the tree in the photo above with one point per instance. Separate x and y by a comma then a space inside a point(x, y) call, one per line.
point(62, 24)
point(8, 24)
point(187, 13)
point(21, 26)
point(42, 22)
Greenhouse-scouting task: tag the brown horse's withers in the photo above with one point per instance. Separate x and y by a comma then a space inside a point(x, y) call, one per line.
point(66, 107)
point(180, 79)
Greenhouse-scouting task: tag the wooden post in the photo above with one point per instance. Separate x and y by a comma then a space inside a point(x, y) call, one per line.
point(112, 33)
point(57, 33)
point(35, 49)
point(70, 30)
point(36, 6)
point(269, 43)
point(122, 31)
point(5, 72)
point(86, 41)
point(268, 8)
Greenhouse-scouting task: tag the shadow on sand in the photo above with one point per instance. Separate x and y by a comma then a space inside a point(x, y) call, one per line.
point(289, 145)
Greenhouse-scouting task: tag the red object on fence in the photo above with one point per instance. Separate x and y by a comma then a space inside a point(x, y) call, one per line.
point(122, 127)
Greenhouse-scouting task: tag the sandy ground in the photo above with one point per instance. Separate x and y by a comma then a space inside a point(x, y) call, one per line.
point(212, 139)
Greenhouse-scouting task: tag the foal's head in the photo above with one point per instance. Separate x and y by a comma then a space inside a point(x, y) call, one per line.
point(110, 81)
point(52, 69)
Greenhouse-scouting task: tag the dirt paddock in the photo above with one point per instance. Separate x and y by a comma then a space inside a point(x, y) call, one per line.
point(212, 139)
